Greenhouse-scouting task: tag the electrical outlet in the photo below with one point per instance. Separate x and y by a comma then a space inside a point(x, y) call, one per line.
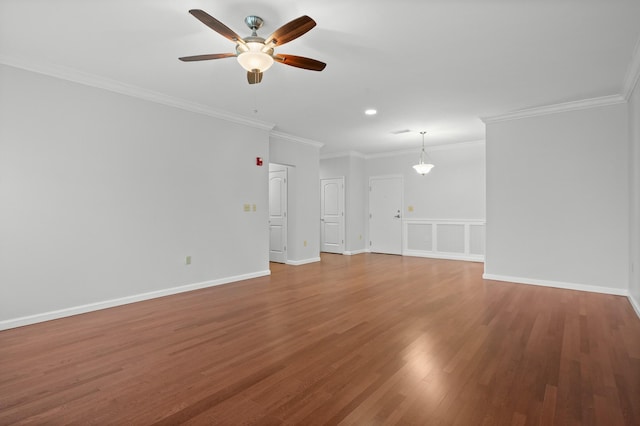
point(187, 260)
point(253, 207)
point(247, 207)
point(305, 243)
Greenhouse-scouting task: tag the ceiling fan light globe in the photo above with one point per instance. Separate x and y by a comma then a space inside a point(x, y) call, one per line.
point(423, 168)
point(255, 58)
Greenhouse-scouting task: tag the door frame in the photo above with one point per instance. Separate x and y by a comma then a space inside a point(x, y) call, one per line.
point(381, 177)
point(285, 221)
point(343, 236)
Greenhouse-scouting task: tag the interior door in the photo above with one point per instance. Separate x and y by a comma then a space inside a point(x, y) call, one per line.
point(385, 215)
point(278, 216)
point(332, 215)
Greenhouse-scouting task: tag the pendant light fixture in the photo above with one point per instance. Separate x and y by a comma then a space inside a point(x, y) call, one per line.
point(422, 167)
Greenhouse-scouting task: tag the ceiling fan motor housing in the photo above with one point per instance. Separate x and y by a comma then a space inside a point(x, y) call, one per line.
point(254, 22)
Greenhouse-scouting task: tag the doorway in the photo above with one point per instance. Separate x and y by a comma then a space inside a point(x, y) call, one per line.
point(385, 214)
point(332, 215)
point(277, 213)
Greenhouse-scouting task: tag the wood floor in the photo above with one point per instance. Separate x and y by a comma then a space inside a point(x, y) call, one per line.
point(364, 340)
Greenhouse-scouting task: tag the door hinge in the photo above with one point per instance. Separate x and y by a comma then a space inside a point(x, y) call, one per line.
point(370, 243)
point(370, 216)
point(285, 214)
point(342, 241)
point(285, 248)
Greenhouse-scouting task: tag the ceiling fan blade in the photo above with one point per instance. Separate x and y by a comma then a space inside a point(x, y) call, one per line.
point(215, 25)
point(300, 62)
point(291, 30)
point(207, 57)
point(254, 77)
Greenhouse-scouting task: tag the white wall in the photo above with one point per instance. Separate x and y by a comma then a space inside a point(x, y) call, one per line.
point(303, 197)
point(356, 198)
point(557, 199)
point(634, 197)
point(454, 189)
point(451, 196)
point(334, 167)
point(103, 196)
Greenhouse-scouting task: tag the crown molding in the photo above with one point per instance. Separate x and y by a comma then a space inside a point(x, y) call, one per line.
point(95, 81)
point(557, 108)
point(416, 151)
point(633, 73)
point(297, 139)
point(342, 154)
point(387, 154)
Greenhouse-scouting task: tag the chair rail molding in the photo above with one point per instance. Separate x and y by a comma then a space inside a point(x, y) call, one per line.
point(454, 239)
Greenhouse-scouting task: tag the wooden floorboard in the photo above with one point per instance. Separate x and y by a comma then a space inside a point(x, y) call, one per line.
point(353, 340)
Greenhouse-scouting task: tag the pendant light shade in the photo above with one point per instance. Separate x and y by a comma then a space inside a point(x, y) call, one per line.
point(423, 167)
point(253, 57)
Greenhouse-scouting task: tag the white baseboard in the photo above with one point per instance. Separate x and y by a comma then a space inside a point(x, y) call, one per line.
point(557, 284)
point(303, 262)
point(354, 252)
point(75, 310)
point(635, 305)
point(448, 256)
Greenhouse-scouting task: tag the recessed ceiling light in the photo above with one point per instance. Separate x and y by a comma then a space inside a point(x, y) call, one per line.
point(371, 111)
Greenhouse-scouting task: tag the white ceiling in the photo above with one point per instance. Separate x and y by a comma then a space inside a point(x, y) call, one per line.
point(424, 65)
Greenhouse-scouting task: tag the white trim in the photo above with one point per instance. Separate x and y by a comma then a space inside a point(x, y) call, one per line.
point(292, 138)
point(436, 147)
point(303, 261)
point(355, 252)
point(633, 73)
point(447, 221)
point(443, 255)
point(90, 307)
point(635, 305)
point(342, 154)
point(91, 80)
point(558, 284)
point(557, 108)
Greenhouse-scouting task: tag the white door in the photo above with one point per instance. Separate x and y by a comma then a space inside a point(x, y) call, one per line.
point(332, 215)
point(385, 215)
point(278, 216)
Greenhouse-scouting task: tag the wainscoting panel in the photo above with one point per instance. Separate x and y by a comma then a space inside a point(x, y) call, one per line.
point(420, 236)
point(444, 239)
point(450, 238)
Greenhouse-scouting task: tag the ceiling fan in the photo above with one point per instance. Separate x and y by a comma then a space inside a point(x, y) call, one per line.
point(255, 53)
